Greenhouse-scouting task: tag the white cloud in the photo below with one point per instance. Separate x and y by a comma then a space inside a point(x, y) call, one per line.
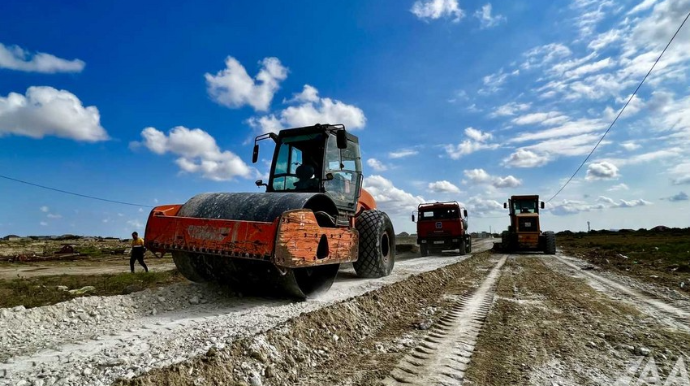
point(546, 54)
point(47, 111)
point(682, 196)
point(443, 187)
point(197, 151)
point(619, 187)
point(390, 199)
point(589, 68)
point(486, 19)
point(506, 182)
point(466, 147)
point(477, 135)
point(15, 58)
point(493, 82)
point(435, 9)
point(545, 119)
point(43, 223)
point(604, 40)
point(308, 94)
point(402, 153)
point(643, 6)
point(377, 165)
point(480, 206)
point(632, 203)
point(680, 174)
point(45, 209)
point(567, 146)
point(523, 158)
point(53, 216)
point(476, 142)
point(234, 88)
point(592, 14)
point(570, 128)
point(312, 110)
point(568, 207)
point(630, 145)
point(480, 176)
point(601, 171)
point(509, 109)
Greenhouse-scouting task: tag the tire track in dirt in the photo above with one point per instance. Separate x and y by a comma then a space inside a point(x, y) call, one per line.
point(680, 316)
point(444, 354)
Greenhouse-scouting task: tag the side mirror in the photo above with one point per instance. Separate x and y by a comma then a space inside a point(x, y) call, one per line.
point(259, 183)
point(542, 204)
point(329, 176)
point(412, 218)
point(505, 206)
point(341, 139)
point(464, 212)
point(255, 154)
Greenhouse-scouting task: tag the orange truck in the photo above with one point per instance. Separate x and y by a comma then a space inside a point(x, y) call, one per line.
point(291, 239)
point(442, 226)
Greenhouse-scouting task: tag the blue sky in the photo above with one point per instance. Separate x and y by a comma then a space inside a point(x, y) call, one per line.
point(152, 103)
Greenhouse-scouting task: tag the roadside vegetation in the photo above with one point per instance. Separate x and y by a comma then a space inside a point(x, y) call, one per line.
point(43, 290)
point(661, 257)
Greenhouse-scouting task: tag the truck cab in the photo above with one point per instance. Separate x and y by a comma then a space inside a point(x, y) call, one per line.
point(442, 226)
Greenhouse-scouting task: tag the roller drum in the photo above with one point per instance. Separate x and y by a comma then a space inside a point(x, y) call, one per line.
point(251, 276)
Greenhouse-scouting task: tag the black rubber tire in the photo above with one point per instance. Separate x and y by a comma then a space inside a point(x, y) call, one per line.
point(376, 245)
point(550, 243)
point(469, 245)
point(463, 247)
point(423, 250)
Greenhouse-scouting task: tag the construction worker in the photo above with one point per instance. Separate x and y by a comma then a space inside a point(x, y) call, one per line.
point(137, 253)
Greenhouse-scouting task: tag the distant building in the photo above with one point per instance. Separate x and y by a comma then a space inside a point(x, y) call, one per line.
point(13, 238)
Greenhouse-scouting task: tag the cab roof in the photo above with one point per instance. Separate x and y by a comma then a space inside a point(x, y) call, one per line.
point(318, 128)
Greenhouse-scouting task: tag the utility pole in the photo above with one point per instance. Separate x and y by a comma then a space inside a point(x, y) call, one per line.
point(588, 227)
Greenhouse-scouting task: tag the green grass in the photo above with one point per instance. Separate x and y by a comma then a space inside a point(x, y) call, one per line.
point(41, 291)
point(660, 248)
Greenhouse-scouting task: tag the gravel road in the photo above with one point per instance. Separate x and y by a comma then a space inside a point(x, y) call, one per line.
point(96, 340)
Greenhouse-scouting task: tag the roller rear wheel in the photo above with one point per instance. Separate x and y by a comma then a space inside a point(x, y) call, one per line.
point(376, 245)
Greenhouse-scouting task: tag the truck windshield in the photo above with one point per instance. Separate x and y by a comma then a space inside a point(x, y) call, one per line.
point(527, 206)
point(439, 214)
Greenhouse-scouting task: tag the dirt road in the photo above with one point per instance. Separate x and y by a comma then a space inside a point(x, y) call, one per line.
point(480, 319)
point(84, 267)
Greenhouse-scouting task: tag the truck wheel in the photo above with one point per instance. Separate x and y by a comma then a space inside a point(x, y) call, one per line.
point(550, 243)
point(469, 245)
point(423, 250)
point(376, 245)
point(463, 247)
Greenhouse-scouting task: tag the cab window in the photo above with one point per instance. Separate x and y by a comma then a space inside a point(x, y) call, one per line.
point(346, 175)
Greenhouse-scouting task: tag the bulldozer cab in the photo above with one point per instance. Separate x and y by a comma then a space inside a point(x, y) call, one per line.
point(320, 158)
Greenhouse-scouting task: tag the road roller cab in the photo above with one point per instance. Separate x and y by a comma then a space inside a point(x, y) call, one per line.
point(291, 239)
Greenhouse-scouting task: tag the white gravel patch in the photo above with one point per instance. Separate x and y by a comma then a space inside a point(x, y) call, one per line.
point(96, 340)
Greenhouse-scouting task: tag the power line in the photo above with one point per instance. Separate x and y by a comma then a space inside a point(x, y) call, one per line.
point(621, 111)
point(73, 193)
